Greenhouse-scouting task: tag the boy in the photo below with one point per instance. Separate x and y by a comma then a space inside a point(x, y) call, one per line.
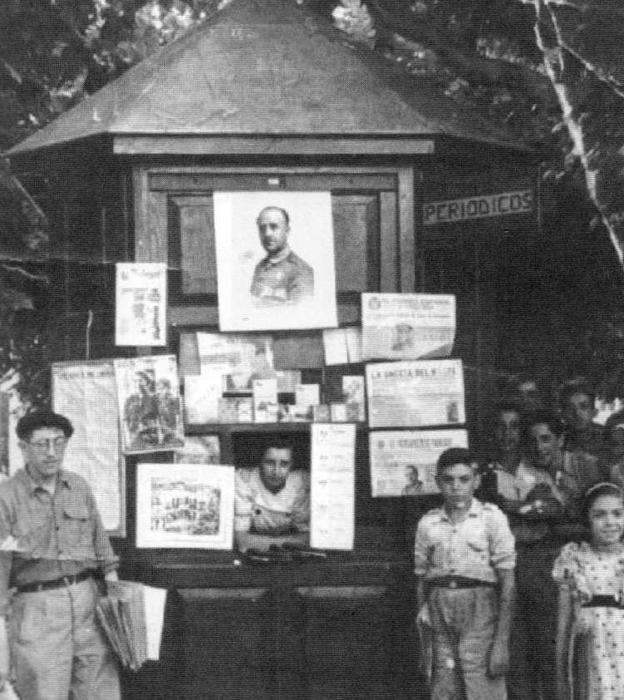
point(577, 404)
point(464, 562)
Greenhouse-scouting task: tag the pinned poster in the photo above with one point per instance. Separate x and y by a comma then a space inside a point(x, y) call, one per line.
point(332, 495)
point(141, 304)
point(415, 393)
point(150, 409)
point(407, 326)
point(403, 462)
point(85, 392)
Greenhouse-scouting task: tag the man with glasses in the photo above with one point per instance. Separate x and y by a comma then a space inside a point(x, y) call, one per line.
point(53, 548)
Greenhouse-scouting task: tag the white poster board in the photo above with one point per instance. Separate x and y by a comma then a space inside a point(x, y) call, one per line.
point(332, 487)
point(185, 505)
point(85, 393)
point(262, 286)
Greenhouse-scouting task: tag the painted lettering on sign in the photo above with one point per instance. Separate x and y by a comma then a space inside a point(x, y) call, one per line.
point(478, 207)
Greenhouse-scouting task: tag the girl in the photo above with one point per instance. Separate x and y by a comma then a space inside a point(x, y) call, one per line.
point(590, 630)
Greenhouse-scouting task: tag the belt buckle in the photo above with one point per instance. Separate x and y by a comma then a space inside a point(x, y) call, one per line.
point(67, 581)
point(452, 583)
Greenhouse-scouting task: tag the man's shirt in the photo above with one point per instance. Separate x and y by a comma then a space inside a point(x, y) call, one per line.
point(475, 548)
point(44, 537)
point(590, 441)
point(257, 508)
point(282, 279)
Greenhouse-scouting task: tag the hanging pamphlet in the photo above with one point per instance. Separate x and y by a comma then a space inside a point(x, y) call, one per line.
point(275, 260)
point(85, 392)
point(332, 506)
point(150, 410)
point(415, 393)
point(141, 304)
point(407, 326)
point(403, 462)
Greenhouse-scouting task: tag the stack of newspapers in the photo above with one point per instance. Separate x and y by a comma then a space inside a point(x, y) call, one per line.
point(131, 615)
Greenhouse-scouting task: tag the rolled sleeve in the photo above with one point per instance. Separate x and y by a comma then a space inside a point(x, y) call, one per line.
point(421, 549)
point(502, 543)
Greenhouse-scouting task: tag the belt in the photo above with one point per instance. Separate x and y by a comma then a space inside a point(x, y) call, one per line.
point(56, 583)
point(458, 582)
point(603, 601)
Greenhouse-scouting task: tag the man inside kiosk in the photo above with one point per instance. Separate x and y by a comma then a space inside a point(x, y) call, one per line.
point(273, 498)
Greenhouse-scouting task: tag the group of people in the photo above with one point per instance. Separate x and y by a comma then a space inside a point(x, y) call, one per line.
point(521, 570)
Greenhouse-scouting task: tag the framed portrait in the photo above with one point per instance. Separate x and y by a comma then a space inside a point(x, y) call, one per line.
point(85, 393)
point(185, 506)
point(275, 260)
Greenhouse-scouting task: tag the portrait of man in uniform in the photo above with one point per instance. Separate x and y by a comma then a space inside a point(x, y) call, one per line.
point(281, 277)
point(275, 260)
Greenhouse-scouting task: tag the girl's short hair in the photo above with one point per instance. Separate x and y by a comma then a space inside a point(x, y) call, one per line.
point(604, 488)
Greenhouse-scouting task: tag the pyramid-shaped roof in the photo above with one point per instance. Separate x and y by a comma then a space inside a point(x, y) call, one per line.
point(265, 67)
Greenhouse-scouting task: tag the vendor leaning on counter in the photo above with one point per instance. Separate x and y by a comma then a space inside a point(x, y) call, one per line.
point(273, 498)
point(53, 550)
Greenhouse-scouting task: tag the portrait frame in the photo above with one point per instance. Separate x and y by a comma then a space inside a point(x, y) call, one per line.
point(242, 306)
point(184, 506)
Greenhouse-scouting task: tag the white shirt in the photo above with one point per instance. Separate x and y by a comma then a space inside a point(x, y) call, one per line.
point(256, 506)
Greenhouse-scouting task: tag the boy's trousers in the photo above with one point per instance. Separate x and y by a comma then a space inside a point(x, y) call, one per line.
point(463, 622)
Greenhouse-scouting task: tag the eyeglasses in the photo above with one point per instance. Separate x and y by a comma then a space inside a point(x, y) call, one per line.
point(43, 445)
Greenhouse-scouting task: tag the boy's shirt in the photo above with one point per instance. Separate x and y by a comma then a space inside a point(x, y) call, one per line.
point(474, 548)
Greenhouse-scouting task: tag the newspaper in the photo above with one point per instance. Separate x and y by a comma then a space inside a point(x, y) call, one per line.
point(415, 393)
point(332, 498)
point(141, 304)
point(407, 326)
point(238, 357)
point(85, 392)
point(131, 616)
point(342, 345)
point(403, 462)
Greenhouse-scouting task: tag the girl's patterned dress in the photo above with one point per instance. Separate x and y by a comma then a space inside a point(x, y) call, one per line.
point(597, 648)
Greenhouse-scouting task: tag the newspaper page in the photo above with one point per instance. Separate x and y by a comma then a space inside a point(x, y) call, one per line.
point(141, 304)
point(403, 462)
point(238, 357)
point(415, 393)
point(332, 506)
point(150, 409)
point(85, 393)
point(407, 326)
point(342, 345)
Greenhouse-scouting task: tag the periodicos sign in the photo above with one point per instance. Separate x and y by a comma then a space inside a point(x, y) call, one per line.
point(449, 211)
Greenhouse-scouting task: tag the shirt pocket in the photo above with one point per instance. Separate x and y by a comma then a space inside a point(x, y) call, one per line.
point(75, 528)
point(477, 548)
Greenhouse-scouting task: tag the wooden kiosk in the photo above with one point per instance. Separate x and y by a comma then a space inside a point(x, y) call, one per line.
point(262, 97)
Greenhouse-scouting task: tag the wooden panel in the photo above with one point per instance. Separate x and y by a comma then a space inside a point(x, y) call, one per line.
point(356, 242)
point(389, 263)
point(240, 145)
point(192, 244)
point(407, 254)
point(278, 180)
